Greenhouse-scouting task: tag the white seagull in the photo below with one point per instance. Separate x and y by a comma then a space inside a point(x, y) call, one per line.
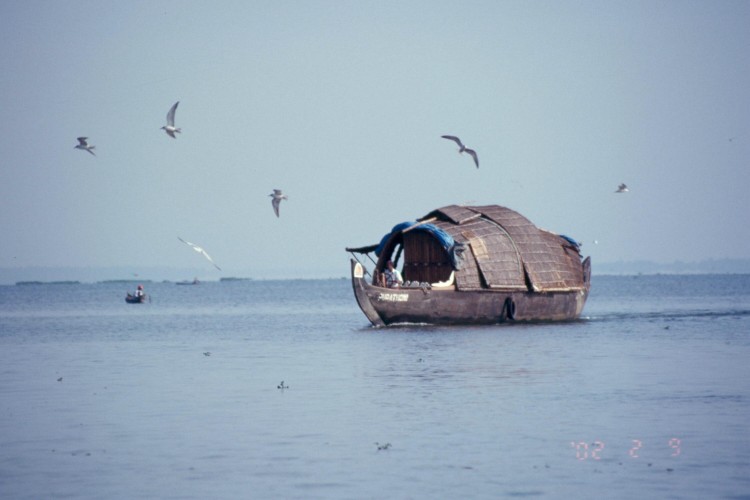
point(170, 129)
point(201, 251)
point(622, 188)
point(462, 148)
point(277, 196)
point(84, 145)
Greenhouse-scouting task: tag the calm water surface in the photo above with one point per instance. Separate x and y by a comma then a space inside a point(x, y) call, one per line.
point(647, 396)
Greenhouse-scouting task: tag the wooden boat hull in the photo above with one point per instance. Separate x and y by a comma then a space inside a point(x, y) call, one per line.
point(386, 306)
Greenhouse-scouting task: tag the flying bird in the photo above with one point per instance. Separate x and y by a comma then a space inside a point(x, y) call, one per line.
point(622, 188)
point(201, 251)
point(462, 148)
point(170, 129)
point(277, 196)
point(84, 145)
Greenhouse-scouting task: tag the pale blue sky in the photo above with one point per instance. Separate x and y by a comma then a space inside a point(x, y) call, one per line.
point(342, 104)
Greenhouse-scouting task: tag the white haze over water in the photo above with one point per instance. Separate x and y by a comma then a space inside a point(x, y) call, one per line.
point(342, 105)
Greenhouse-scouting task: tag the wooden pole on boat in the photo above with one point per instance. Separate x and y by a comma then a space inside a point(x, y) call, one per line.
point(363, 267)
point(426, 221)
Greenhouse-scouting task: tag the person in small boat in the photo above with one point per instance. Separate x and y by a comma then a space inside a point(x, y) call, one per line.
point(393, 278)
point(139, 291)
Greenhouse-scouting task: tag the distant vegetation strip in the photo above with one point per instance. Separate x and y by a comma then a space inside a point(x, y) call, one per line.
point(69, 276)
point(125, 281)
point(115, 282)
point(715, 266)
point(23, 283)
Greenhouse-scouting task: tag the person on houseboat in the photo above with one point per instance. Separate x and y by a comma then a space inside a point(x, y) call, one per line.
point(393, 278)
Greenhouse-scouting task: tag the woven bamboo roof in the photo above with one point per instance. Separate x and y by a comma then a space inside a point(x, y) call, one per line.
point(507, 251)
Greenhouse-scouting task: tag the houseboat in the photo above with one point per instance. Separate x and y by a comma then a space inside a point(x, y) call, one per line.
point(471, 265)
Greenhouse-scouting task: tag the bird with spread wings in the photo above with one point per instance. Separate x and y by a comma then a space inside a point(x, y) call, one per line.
point(169, 128)
point(200, 251)
point(83, 143)
point(277, 196)
point(462, 148)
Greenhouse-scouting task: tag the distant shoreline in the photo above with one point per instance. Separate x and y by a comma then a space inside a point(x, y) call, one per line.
point(341, 278)
point(109, 275)
point(719, 266)
point(24, 283)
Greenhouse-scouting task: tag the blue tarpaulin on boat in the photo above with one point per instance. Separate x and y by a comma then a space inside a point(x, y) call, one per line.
point(445, 239)
point(397, 228)
point(570, 240)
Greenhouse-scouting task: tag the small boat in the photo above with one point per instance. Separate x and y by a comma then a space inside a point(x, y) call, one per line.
point(134, 299)
point(194, 282)
point(472, 265)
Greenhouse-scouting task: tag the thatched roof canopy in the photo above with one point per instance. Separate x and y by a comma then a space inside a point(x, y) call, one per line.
point(503, 250)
